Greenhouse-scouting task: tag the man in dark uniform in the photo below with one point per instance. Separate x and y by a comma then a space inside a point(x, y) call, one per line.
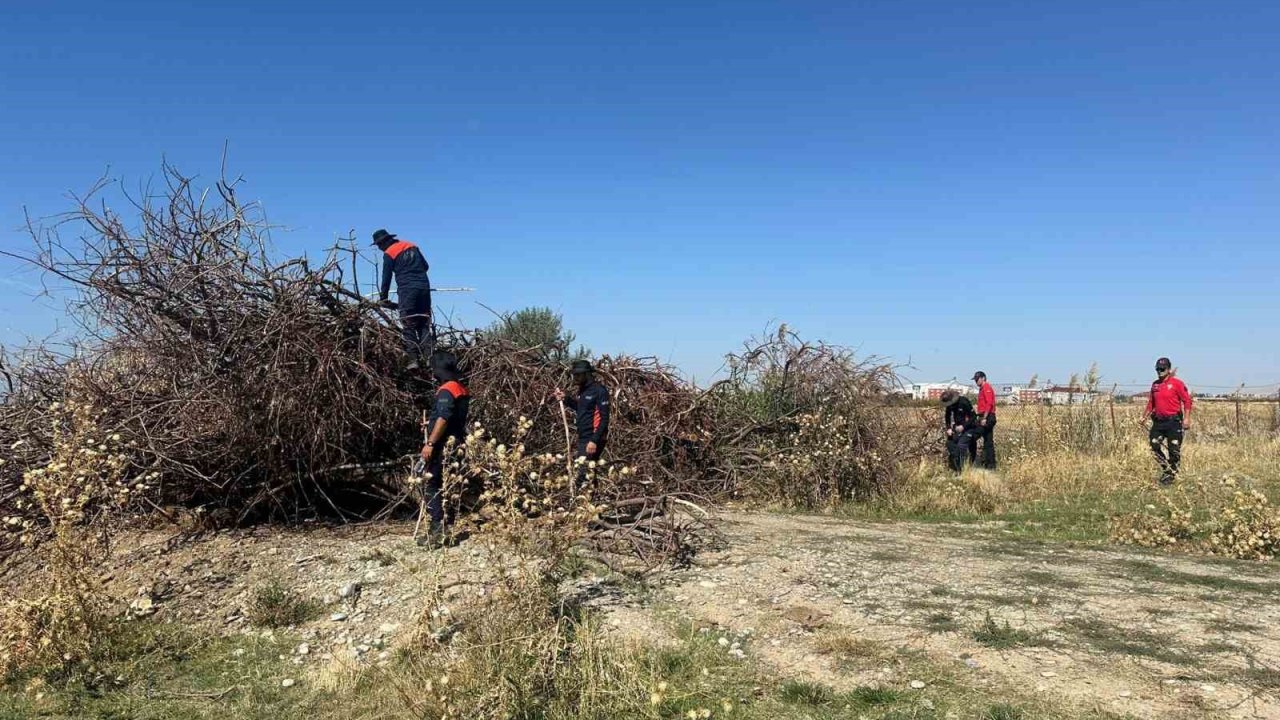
point(986, 422)
point(1169, 409)
point(403, 260)
point(592, 410)
point(448, 420)
point(961, 424)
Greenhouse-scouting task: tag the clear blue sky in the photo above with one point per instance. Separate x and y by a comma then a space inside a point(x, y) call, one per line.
point(1015, 186)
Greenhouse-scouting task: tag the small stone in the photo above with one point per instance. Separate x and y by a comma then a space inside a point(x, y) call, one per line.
point(338, 617)
point(707, 584)
point(142, 606)
point(1125, 694)
point(1048, 674)
point(287, 682)
point(917, 684)
point(362, 649)
point(1208, 688)
point(239, 652)
point(388, 628)
point(723, 642)
point(349, 590)
point(303, 649)
point(971, 663)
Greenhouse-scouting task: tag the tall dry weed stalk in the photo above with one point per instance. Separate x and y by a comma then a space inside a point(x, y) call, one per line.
point(59, 630)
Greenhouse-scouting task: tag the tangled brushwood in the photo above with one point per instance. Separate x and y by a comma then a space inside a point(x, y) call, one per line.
point(227, 385)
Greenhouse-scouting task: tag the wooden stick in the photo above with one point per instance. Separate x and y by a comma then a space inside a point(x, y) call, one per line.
point(422, 503)
point(568, 456)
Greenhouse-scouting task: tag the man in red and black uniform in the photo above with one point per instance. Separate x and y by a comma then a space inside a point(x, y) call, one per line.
point(403, 260)
point(1169, 409)
point(448, 420)
point(961, 425)
point(592, 409)
point(986, 422)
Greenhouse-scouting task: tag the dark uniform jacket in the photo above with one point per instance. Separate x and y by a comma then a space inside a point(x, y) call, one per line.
point(453, 402)
point(961, 413)
point(592, 408)
point(404, 261)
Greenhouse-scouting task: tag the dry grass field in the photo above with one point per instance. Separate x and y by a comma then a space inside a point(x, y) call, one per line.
point(1070, 473)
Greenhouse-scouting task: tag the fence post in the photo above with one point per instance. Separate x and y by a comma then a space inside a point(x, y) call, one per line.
point(1238, 409)
point(1115, 431)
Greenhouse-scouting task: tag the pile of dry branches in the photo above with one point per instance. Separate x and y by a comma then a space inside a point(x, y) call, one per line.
point(236, 378)
point(657, 427)
point(809, 424)
point(255, 388)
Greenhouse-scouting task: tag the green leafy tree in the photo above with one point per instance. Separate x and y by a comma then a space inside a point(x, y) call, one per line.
point(539, 329)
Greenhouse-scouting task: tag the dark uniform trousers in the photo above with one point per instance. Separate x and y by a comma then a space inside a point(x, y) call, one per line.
point(415, 322)
point(433, 487)
point(1168, 431)
point(961, 445)
point(987, 435)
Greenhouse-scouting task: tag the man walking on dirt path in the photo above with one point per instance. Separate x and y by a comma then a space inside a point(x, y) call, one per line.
point(1169, 409)
point(592, 411)
point(986, 422)
point(448, 420)
point(960, 422)
point(403, 260)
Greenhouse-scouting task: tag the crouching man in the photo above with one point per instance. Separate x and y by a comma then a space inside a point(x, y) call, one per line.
point(961, 424)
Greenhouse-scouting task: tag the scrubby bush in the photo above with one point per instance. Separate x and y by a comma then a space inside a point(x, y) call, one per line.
point(1240, 523)
point(276, 606)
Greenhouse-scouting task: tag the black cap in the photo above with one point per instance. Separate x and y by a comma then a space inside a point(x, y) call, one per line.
point(581, 367)
point(979, 374)
point(380, 236)
point(444, 365)
point(1163, 364)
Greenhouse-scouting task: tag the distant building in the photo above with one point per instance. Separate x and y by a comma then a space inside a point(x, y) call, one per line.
point(933, 391)
point(1030, 396)
point(1059, 395)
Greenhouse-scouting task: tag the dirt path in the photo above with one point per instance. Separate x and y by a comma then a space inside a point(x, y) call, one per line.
point(1150, 636)
point(841, 602)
